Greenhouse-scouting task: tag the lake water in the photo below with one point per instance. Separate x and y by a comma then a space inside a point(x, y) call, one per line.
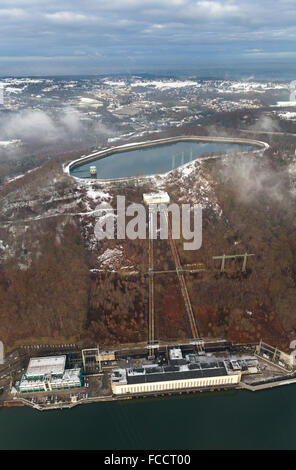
point(155, 159)
point(217, 420)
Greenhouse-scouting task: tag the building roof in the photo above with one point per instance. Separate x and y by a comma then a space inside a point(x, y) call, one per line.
point(156, 198)
point(164, 376)
point(195, 366)
point(70, 377)
point(176, 353)
point(156, 373)
point(39, 366)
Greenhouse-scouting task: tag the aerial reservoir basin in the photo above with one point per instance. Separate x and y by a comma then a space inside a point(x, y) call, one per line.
point(153, 158)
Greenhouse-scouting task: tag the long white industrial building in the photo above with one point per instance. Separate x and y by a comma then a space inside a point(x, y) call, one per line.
point(183, 373)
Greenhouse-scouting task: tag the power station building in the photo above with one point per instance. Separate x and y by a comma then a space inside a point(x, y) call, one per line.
point(49, 373)
point(187, 372)
point(156, 198)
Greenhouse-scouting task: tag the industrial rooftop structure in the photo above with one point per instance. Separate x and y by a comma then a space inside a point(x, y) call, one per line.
point(40, 366)
point(49, 373)
point(189, 371)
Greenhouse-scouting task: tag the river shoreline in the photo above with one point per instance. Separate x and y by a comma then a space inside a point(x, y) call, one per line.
point(20, 401)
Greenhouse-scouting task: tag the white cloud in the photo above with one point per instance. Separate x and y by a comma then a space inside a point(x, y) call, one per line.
point(37, 125)
point(35, 58)
point(13, 13)
point(271, 54)
point(217, 9)
point(31, 125)
point(68, 17)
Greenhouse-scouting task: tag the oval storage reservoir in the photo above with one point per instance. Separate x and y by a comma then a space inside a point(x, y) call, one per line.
point(155, 157)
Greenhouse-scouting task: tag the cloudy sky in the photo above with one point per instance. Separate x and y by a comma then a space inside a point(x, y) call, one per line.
point(98, 36)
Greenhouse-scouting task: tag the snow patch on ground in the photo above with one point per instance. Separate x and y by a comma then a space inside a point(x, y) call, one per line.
point(2, 246)
point(92, 193)
point(10, 180)
point(165, 84)
point(111, 257)
point(289, 116)
point(96, 195)
point(6, 143)
point(187, 170)
point(195, 187)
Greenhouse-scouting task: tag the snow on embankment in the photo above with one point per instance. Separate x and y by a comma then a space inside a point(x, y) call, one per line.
point(194, 186)
point(111, 258)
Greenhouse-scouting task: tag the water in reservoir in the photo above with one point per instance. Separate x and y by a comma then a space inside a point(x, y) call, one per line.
point(155, 159)
point(217, 420)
